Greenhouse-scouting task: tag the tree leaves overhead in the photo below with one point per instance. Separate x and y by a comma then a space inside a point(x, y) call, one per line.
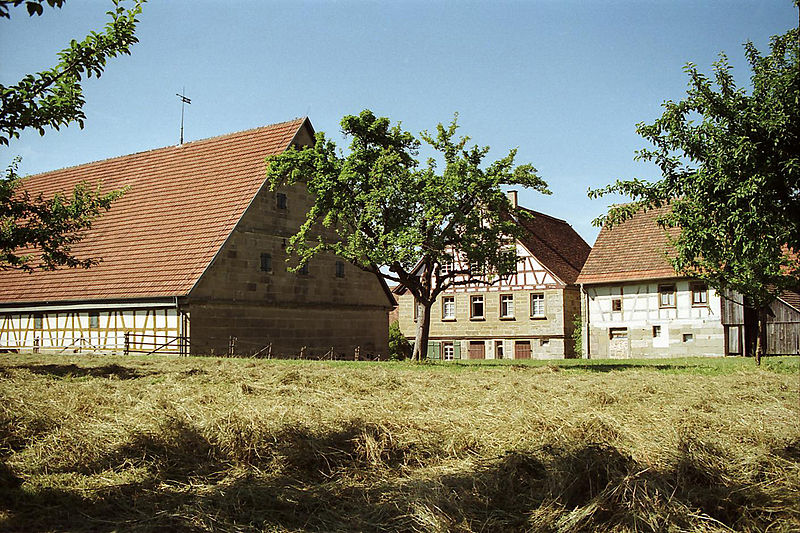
point(39, 232)
point(730, 165)
point(54, 98)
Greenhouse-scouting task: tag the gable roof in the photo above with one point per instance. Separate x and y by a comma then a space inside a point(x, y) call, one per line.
point(551, 241)
point(633, 250)
point(158, 239)
point(554, 244)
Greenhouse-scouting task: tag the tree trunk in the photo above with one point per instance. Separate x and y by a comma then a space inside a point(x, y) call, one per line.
point(761, 313)
point(423, 329)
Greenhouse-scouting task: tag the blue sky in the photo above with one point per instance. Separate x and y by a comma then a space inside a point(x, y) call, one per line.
point(565, 82)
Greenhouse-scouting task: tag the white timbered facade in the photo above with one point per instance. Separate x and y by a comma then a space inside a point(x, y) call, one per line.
point(529, 314)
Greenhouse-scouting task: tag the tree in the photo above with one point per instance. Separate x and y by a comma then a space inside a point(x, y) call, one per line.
point(731, 175)
point(383, 211)
point(32, 227)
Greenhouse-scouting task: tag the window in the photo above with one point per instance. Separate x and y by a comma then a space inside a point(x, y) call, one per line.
point(699, 294)
point(449, 308)
point(448, 353)
point(688, 337)
point(476, 268)
point(281, 200)
point(616, 304)
point(266, 263)
point(544, 342)
point(506, 306)
point(666, 296)
point(656, 331)
point(94, 320)
point(303, 270)
point(476, 307)
point(499, 350)
point(537, 305)
point(617, 333)
point(417, 309)
point(446, 266)
point(38, 321)
point(339, 269)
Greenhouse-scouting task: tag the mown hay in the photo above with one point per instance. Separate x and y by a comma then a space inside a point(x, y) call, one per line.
point(202, 444)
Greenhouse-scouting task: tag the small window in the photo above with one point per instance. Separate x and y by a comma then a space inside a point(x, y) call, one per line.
point(499, 350)
point(476, 307)
point(303, 270)
point(38, 321)
point(266, 263)
point(446, 267)
point(544, 342)
point(616, 304)
point(506, 306)
point(537, 305)
point(688, 337)
point(448, 352)
point(94, 320)
point(476, 268)
point(449, 308)
point(417, 310)
point(656, 331)
point(699, 294)
point(617, 333)
point(281, 200)
point(666, 296)
point(339, 269)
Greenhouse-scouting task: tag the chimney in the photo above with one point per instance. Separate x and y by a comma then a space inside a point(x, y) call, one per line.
point(512, 197)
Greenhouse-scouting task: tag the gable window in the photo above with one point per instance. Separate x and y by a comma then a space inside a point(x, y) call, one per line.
point(266, 263)
point(94, 320)
point(339, 269)
point(280, 199)
point(446, 267)
point(616, 304)
point(476, 307)
point(449, 308)
point(666, 296)
point(537, 305)
point(506, 306)
point(699, 294)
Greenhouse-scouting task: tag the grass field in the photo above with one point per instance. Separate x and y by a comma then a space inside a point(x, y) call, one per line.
point(205, 444)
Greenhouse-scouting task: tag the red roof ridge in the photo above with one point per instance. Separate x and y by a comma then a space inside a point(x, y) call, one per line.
point(540, 214)
point(196, 142)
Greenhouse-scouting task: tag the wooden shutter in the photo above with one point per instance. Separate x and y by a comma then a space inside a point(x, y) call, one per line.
point(433, 350)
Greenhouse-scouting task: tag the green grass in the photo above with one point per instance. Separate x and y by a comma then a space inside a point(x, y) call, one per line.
point(93, 443)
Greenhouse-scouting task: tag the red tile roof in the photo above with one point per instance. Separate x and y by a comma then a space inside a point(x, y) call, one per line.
point(555, 244)
point(633, 250)
point(157, 240)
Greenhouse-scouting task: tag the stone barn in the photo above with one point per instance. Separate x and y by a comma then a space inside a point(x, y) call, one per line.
point(193, 261)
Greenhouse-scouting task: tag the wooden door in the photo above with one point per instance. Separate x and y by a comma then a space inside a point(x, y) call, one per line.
point(477, 350)
point(522, 350)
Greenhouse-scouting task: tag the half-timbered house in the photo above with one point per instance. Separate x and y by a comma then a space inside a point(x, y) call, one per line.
point(530, 314)
point(636, 305)
point(193, 261)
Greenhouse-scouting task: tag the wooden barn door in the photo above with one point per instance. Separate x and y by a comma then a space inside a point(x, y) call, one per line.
point(522, 350)
point(477, 350)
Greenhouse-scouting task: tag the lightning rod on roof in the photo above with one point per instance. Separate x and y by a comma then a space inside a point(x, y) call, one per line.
point(184, 101)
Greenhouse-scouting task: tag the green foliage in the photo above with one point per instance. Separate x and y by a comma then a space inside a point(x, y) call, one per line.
point(48, 225)
point(399, 347)
point(577, 334)
point(36, 226)
point(731, 174)
point(54, 98)
point(383, 210)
